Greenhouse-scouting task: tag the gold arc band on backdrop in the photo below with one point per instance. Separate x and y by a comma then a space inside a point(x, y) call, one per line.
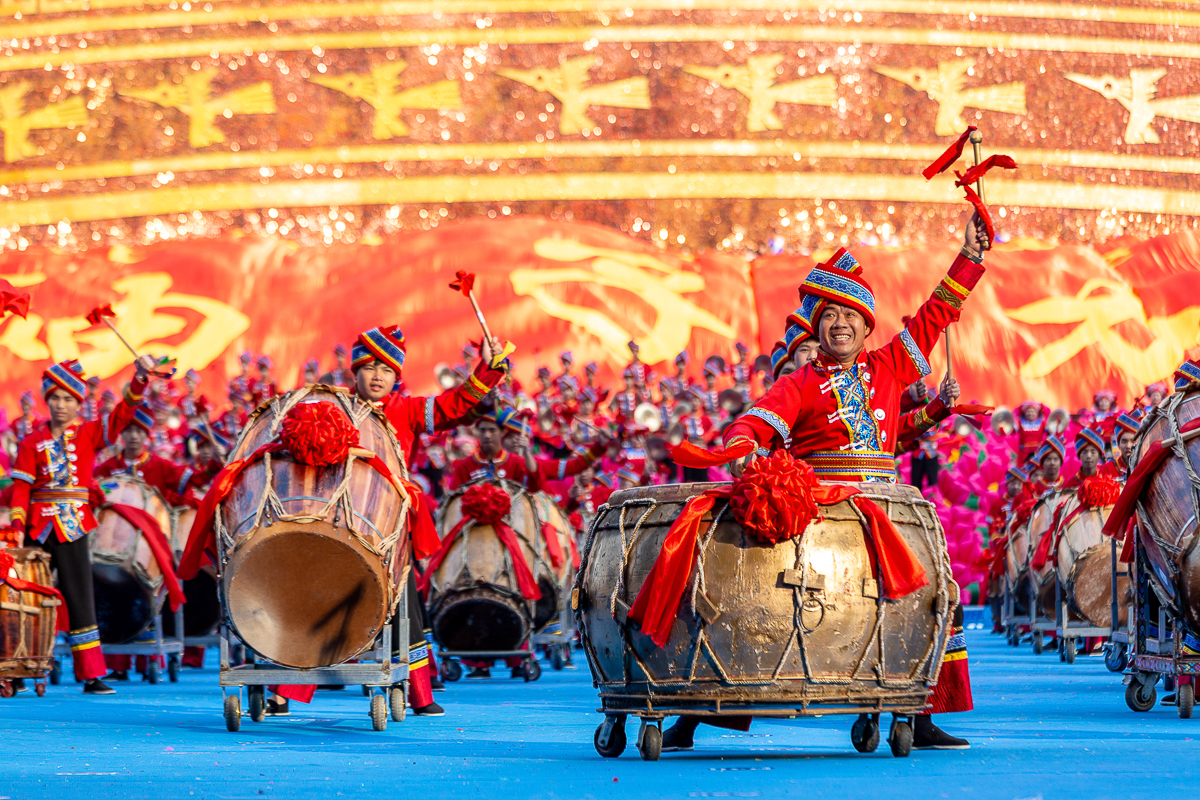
point(626, 148)
point(358, 40)
point(32, 24)
point(584, 186)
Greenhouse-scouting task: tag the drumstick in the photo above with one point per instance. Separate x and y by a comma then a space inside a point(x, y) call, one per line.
point(479, 316)
point(124, 341)
point(977, 149)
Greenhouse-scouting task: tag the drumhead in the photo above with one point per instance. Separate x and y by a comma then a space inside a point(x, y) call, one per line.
point(124, 606)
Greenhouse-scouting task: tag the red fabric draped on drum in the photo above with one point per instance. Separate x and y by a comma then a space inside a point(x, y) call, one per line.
point(553, 546)
point(7, 563)
point(1138, 480)
point(159, 546)
point(657, 604)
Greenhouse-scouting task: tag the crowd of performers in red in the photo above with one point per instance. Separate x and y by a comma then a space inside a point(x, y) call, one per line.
point(820, 395)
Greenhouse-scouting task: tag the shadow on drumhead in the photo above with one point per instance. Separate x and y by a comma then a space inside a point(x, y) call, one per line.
point(124, 606)
point(201, 612)
point(473, 621)
point(305, 595)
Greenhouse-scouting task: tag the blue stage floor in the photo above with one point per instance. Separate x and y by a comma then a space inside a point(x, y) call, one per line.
point(1040, 729)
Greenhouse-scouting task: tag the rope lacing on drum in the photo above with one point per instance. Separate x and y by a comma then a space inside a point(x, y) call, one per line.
point(1169, 410)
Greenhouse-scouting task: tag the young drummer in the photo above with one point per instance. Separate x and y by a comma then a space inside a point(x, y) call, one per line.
point(50, 503)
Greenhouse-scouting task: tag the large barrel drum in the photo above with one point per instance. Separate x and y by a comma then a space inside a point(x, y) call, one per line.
point(1170, 504)
point(202, 611)
point(553, 580)
point(27, 619)
point(1016, 565)
point(475, 603)
point(1085, 565)
point(1041, 525)
point(127, 578)
point(314, 556)
point(794, 628)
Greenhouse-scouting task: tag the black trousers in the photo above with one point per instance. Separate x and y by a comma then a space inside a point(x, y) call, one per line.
point(74, 578)
point(925, 471)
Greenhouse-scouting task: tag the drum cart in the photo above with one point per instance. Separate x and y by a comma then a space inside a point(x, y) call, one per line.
point(452, 670)
point(1037, 623)
point(1116, 651)
point(1009, 618)
point(36, 669)
point(1069, 631)
point(152, 644)
point(556, 637)
point(1157, 646)
point(382, 675)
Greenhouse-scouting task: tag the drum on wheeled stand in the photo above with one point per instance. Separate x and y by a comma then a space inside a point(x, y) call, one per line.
point(28, 619)
point(794, 629)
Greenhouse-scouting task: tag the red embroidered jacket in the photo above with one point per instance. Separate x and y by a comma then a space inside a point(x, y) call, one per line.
point(845, 420)
point(170, 479)
point(52, 475)
point(411, 416)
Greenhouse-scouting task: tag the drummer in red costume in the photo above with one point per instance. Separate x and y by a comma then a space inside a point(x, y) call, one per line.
point(173, 481)
point(841, 413)
point(50, 499)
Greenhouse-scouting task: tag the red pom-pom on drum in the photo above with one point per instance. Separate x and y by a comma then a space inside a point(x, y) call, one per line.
point(486, 503)
point(774, 499)
point(318, 434)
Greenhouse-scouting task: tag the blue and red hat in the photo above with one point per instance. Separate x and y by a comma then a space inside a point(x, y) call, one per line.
point(1053, 445)
point(627, 473)
point(1103, 393)
point(510, 419)
point(779, 357)
point(1188, 372)
point(379, 344)
point(807, 313)
point(1125, 423)
point(795, 336)
point(839, 280)
point(683, 358)
point(566, 357)
point(1020, 473)
point(605, 480)
point(66, 375)
point(1086, 437)
point(142, 417)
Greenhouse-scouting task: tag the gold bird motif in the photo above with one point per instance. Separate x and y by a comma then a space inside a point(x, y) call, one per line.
point(945, 87)
point(379, 89)
point(566, 83)
point(194, 97)
point(756, 80)
point(1137, 94)
point(17, 124)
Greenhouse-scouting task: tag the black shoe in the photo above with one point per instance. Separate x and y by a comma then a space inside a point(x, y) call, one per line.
point(927, 736)
point(278, 708)
point(19, 686)
point(97, 686)
point(679, 737)
point(118, 675)
point(479, 672)
point(431, 710)
point(1169, 700)
point(435, 684)
point(518, 672)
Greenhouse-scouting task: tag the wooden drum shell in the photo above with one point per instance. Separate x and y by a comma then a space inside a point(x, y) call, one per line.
point(127, 578)
point(28, 620)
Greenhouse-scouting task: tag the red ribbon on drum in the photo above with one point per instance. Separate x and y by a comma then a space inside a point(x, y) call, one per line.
point(8, 563)
point(486, 504)
point(775, 499)
point(159, 546)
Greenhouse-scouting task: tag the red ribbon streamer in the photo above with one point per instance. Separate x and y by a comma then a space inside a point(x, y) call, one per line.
point(953, 153)
point(982, 209)
point(657, 603)
point(553, 546)
point(506, 535)
point(15, 303)
point(976, 172)
point(687, 454)
point(159, 546)
point(7, 562)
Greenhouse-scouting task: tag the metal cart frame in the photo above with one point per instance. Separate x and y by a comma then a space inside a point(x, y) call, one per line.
point(1011, 621)
point(1116, 651)
point(171, 647)
point(1069, 631)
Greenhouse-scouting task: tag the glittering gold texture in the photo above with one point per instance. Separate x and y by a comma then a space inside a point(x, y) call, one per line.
point(700, 124)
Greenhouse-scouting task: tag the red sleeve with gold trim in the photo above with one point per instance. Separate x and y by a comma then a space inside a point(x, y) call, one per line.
point(556, 469)
point(772, 415)
point(907, 356)
point(447, 409)
point(915, 423)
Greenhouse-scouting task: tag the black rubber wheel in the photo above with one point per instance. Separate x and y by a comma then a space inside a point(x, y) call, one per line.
point(379, 712)
point(1185, 699)
point(864, 734)
point(532, 670)
point(396, 702)
point(451, 670)
point(233, 713)
point(56, 673)
point(1069, 650)
point(1140, 696)
point(173, 669)
point(558, 659)
point(1116, 657)
point(901, 740)
point(1037, 643)
point(153, 672)
point(256, 701)
point(651, 747)
point(616, 741)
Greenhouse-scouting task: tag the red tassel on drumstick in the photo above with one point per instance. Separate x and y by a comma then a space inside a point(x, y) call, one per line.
point(13, 302)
